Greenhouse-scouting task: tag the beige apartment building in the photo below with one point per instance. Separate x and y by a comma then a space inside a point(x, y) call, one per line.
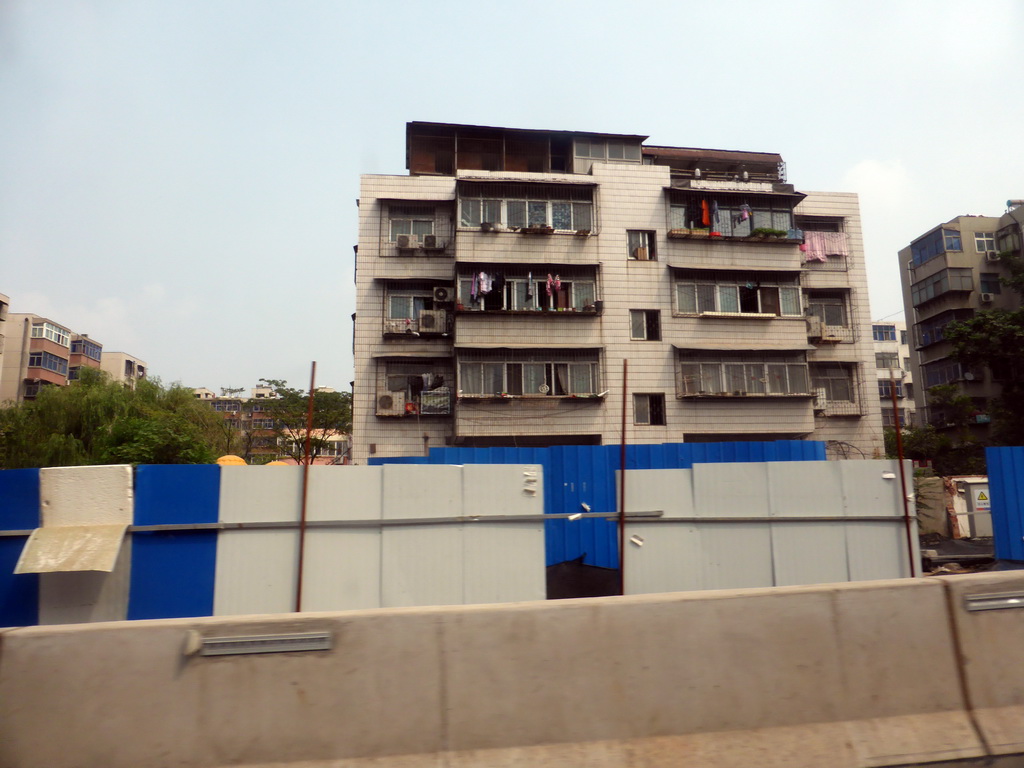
point(949, 274)
point(123, 367)
point(506, 283)
point(893, 363)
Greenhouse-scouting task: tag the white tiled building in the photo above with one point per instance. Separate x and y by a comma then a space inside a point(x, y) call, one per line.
point(893, 363)
point(503, 284)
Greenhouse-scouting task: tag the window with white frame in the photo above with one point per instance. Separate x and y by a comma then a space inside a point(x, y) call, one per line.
point(640, 245)
point(541, 374)
point(885, 390)
point(527, 292)
point(88, 348)
point(645, 324)
point(828, 306)
point(48, 361)
point(885, 360)
point(718, 373)
point(985, 241)
point(836, 379)
point(649, 409)
point(616, 150)
point(737, 294)
point(52, 332)
point(730, 215)
point(562, 207)
point(407, 305)
point(410, 220)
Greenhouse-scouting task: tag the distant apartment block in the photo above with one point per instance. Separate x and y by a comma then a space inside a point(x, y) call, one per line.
point(893, 363)
point(504, 282)
point(40, 352)
point(951, 273)
point(123, 367)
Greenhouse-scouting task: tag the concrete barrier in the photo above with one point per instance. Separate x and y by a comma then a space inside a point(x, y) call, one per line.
point(850, 675)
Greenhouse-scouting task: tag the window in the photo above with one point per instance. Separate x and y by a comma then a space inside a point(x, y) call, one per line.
point(737, 294)
point(717, 373)
point(408, 305)
point(527, 292)
point(411, 220)
point(943, 371)
point(836, 379)
point(989, 282)
point(884, 360)
point(427, 385)
point(52, 332)
point(931, 330)
point(645, 324)
point(903, 337)
point(884, 332)
point(888, 419)
point(884, 389)
point(262, 423)
point(985, 242)
point(934, 244)
point(88, 348)
point(48, 361)
point(954, 279)
point(829, 307)
point(612, 149)
point(906, 363)
point(640, 245)
point(541, 374)
point(562, 207)
point(73, 373)
point(649, 410)
point(730, 215)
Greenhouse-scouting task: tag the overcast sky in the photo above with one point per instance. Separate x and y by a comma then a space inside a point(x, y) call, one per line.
point(178, 178)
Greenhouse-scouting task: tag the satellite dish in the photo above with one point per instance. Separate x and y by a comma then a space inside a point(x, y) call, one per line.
point(543, 389)
point(969, 376)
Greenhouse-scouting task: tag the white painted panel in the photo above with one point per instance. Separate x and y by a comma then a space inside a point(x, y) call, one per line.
point(344, 493)
point(876, 551)
point(809, 553)
point(342, 570)
point(62, 548)
point(503, 561)
point(670, 560)
point(255, 570)
point(99, 495)
point(736, 555)
point(730, 490)
point(669, 491)
point(872, 488)
point(260, 494)
point(422, 564)
point(805, 489)
point(82, 596)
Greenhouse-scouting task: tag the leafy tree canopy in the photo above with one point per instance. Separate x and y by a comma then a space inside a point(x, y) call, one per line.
point(332, 414)
point(98, 421)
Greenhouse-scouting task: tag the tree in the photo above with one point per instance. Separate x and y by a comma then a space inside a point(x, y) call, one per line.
point(995, 338)
point(99, 421)
point(332, 415)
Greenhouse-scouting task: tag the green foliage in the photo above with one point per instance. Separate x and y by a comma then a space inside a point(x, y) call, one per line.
point(995, 338)
point(769, 232)
point(99, 421)
point(332, 413)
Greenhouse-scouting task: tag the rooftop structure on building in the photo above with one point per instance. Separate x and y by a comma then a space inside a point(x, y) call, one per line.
point(950, 273)
point(505, 283)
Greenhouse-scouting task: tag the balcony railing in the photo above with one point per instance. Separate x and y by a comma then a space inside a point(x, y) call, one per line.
point(433, 402)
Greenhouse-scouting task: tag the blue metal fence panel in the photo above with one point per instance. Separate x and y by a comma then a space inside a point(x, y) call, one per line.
point(19, 511)
point(585, 474)
point(173, 571)
point(1006, 490)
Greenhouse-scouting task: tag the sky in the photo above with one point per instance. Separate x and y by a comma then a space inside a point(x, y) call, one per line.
point(178, 179)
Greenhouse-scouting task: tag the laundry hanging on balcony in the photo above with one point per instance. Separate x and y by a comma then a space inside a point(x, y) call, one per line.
point(818, 246)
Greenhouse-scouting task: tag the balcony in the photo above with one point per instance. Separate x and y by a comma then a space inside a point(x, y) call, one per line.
point(405, 404)
point(428, 322)
point(820, 333)
point(776, 237)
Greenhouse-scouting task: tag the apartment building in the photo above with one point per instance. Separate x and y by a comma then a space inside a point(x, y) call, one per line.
point(37, 353)
point(523, 287)
point(5, 304)
point(949, 274)
point(893, 363)
point(121, 366)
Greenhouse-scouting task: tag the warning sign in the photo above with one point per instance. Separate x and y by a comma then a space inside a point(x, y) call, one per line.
point(981, 500)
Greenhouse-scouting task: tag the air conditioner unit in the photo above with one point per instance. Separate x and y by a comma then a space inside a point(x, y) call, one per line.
point(432, 242)
point(407, 242)
point(433, 321)
point(391, 404)
point(987, 298)
point(814, 327)
point(820, 399)
point(992, 256)
point(442, 293)
point(399, 325)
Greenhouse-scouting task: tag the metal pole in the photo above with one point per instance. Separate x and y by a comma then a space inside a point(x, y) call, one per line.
point(622, 485)
point(903, 474)
point(305, 490)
